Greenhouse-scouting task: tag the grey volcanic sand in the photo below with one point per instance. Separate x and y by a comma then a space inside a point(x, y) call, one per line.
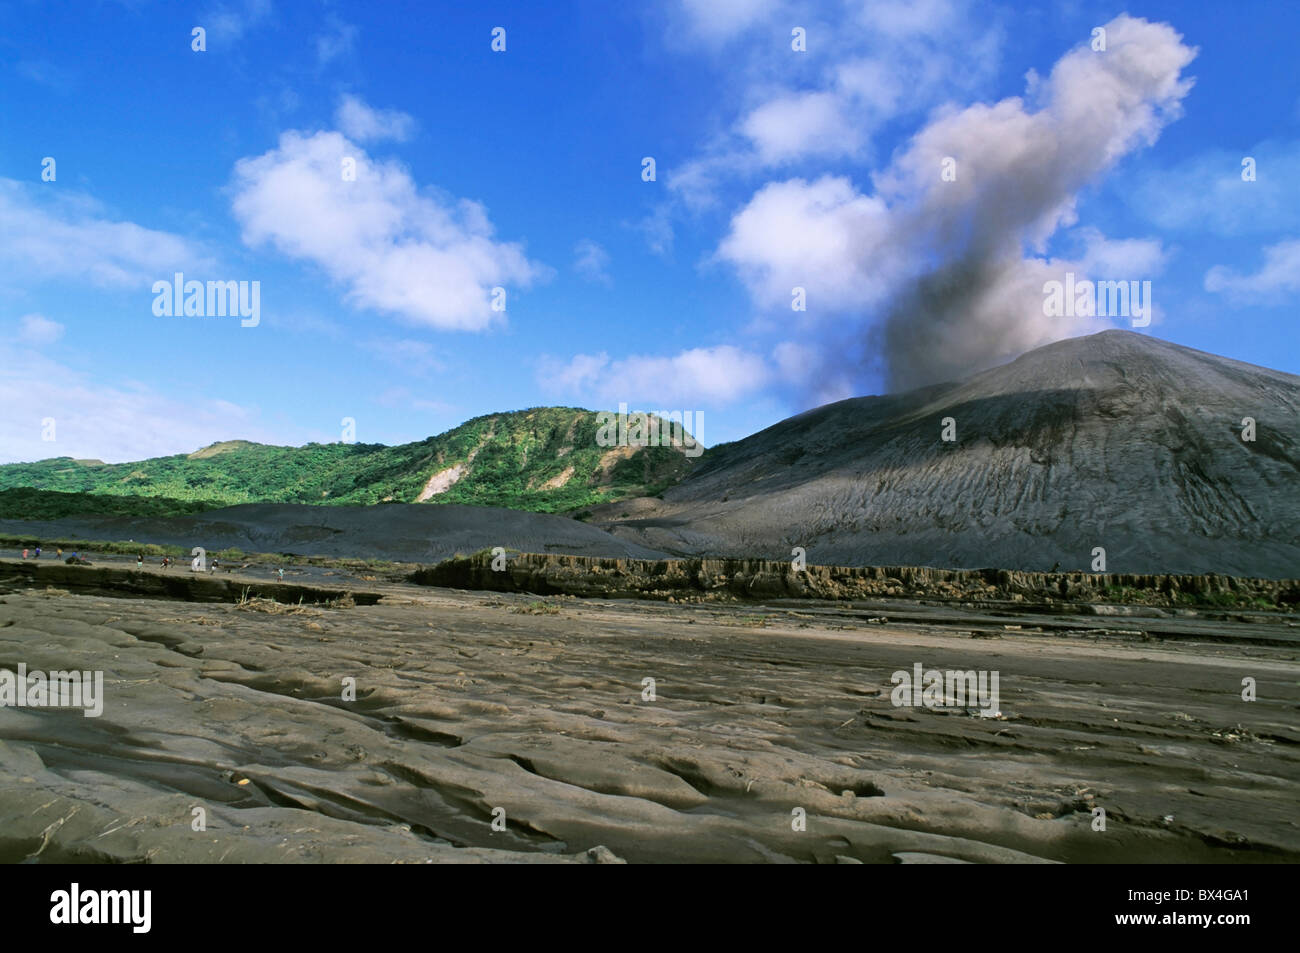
point(468, 702)
point(396, 531)
point(1116, 440)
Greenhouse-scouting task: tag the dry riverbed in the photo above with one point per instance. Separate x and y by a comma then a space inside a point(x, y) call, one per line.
point(474, 706)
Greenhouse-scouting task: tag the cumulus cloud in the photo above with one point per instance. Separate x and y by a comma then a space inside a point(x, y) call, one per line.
point(1206, 192)
point(823, 236)
point(804, 369)
point(715, 20)
point(51, 236)
point(591, 261)
point(932, 271)
point(361, 123)
point(335, 41)
point(867, 63)
point(801, 125)
point(1277, 278)
point(1128, 258)
point(38, 330)
point(230, 21)
point(415, 253)
point(684, 380)
point(657, 229)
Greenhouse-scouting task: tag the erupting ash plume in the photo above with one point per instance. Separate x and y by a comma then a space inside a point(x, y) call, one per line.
point(943, 266)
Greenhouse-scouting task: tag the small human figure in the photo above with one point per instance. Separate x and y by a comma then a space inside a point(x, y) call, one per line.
point(59, 553)
point(24, 554)
point(281, 572)
point(139, 560)
point(38, 552)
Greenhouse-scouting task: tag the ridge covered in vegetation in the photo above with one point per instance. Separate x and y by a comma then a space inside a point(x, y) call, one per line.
point(544, 459)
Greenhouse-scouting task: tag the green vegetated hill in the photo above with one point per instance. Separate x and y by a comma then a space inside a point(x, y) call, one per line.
point(544, 459)
point(28, 504)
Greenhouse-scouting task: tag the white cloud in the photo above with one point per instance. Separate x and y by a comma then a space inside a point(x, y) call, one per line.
point(803, 369)
point(899, 19)
point(402, 399)
point(1124, 258)
point(39, 330)
point(361, 123)
point(867, 63)
point(54, 236)
point(801, 125)
point(336, 41)
point(716, 20)
point(417, 254)
point(1206, 192)
point(1277, 278)
point(822, 236)
point(96, 421)
point(230, 21)
point(683, 381)
point(591, 261)
point(412, 356)
point(581, 373)
point(657, 229)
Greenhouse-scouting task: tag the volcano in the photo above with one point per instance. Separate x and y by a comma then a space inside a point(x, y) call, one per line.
point(1113, 452)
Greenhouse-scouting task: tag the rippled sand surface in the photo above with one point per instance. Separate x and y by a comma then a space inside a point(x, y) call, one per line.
point(471, 707)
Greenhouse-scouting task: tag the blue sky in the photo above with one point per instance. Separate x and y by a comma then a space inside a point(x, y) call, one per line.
point(522, 169)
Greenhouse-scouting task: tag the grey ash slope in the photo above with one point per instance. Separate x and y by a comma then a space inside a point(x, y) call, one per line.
point(1116, 440)
point(398, 531)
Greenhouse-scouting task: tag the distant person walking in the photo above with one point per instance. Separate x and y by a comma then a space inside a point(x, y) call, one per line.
point(24, 554)
point(38, 552)
point(281, 572)
point(139, 560)
point(59, 553)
